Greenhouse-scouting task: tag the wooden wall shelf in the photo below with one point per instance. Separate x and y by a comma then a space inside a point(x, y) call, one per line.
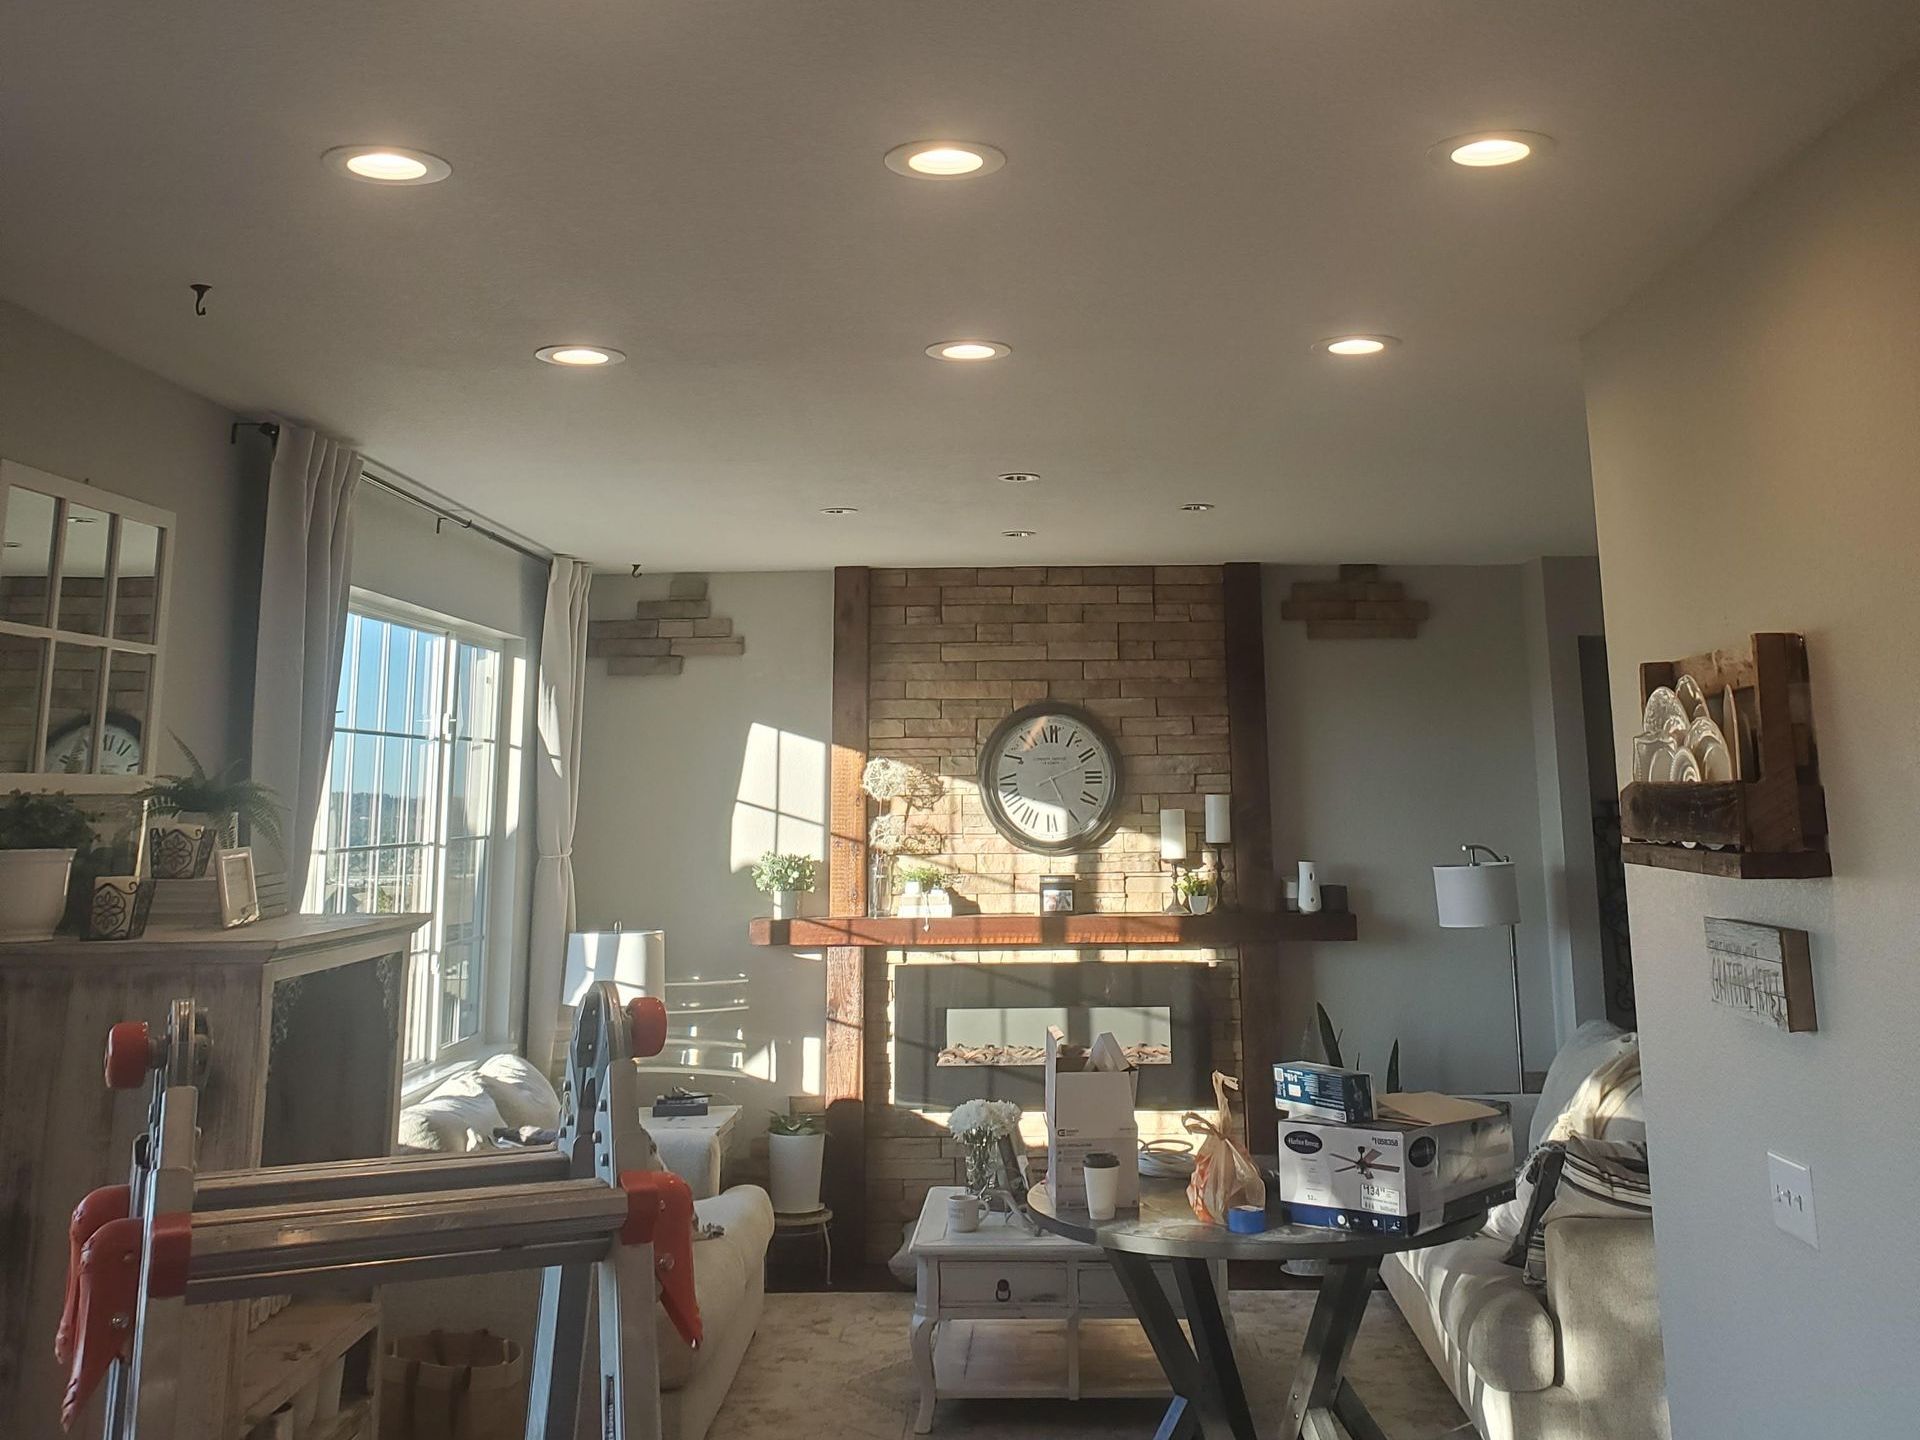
point(1770, 824)
point(1054, 932)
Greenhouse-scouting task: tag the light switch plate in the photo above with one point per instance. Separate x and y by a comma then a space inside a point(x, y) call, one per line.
point(1792, 1187)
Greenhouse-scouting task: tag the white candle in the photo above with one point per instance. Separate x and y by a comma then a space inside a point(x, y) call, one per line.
point(1173, 834)
point(1219, 819)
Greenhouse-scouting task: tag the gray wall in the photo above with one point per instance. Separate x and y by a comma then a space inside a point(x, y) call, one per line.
point(1755, 424)
point(73, 409)
point(1386, 756)
point(688, 778)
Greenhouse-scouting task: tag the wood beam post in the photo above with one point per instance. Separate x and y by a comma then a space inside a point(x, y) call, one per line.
point(843, 1073)
point(1262, 1039)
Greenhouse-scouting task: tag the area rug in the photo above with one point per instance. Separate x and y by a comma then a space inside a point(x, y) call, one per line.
point(837, 1365)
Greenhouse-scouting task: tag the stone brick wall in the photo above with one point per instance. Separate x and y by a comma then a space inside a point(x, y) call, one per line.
point(952, 653)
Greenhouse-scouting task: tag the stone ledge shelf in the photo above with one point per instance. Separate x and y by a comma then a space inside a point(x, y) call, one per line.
point(1052, 932)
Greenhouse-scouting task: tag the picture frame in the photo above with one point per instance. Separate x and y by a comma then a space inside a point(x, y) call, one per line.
point(239, 887)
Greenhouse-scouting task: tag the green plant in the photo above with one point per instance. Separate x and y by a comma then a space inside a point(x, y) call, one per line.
point(774, 872)
point(228, 793)
point(779, 1124)
point(1328, 1042)
point(1194, 882)
point(43, 822)
point(919, 872)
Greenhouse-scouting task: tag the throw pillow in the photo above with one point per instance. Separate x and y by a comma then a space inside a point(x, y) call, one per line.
point(520, 1091)
point(450, 1122)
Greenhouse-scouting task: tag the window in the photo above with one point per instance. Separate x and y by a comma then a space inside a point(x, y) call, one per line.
point(413, 797)
point(82, 610)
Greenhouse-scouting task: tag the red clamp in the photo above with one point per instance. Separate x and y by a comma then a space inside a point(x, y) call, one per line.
point(109, 1202)
point(107, 1299)
point(647, 1025)
point(129, 1055)
point(660, 1214)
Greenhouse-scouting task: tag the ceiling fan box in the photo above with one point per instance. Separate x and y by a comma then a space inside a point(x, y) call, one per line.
point(1395, 1174)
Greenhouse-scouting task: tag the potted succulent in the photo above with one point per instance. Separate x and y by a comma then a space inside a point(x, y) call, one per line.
point(795, 1147)
point(39, 835)
point(923, 888)
point(220, 801)
point(1195, 889)
point(785, 878)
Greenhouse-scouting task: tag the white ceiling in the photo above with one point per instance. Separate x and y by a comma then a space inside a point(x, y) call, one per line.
point(1196, 190)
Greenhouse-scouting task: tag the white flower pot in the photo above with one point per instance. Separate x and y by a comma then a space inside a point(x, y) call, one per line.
point(33, 892)
point(786, 904)
point(1199, 904)
point(794, 1162)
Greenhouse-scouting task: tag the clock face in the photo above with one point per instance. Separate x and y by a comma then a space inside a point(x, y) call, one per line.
point(1050, 778)
point(69, 751)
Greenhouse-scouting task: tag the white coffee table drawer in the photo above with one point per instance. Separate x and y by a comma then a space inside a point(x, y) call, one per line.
point(985, 1283)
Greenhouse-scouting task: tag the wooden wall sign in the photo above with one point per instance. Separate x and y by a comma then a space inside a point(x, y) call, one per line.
point(1762, 972)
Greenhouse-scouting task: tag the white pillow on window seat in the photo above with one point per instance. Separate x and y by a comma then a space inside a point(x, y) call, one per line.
point(455, 1118)
point(520, 1091)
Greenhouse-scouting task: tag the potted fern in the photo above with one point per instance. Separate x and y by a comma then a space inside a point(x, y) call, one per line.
point(218, 801)
point(785, 878)
point(39, 835)
point(795, 1147)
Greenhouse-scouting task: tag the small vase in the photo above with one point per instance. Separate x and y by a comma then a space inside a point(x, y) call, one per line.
point(879, 883)
point(786, 903)
point(983, 1166)
point(1309, 889)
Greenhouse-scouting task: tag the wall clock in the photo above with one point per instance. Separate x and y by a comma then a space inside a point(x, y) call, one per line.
point(70, 748)
point(1050, 779)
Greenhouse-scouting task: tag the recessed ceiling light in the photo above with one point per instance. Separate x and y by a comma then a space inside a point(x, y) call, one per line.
point(839, 509)
point(1490, 149)
point(1018, 534)
point(944, 159)
point(388, 164)
point(1020, 477)
point(968, 350)
point(579, 357)
point(1198, 507)
point(1349, 346)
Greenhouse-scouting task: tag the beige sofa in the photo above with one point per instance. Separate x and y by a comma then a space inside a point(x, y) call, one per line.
point(1581, 1360)
point(728, 1270)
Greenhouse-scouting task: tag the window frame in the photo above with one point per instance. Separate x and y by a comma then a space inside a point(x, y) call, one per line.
point(119, 509)
point(498, 968)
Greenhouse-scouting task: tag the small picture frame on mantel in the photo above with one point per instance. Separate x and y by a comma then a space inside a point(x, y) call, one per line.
point(1056, 895)
point(239, 888)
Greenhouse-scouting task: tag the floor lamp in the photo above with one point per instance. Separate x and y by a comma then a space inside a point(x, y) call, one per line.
point(1477, 896)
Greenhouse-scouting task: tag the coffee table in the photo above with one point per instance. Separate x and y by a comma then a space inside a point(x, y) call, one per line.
point(1208, 1397)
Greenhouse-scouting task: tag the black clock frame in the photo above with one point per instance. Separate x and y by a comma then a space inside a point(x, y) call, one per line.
point(990, 793)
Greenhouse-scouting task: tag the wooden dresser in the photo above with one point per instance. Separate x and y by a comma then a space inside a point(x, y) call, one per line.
point(304, 1017)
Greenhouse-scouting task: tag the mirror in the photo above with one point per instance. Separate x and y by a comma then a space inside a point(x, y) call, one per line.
point(85, 662)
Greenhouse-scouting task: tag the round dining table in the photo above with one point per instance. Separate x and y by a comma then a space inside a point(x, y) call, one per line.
point(1209, 1399)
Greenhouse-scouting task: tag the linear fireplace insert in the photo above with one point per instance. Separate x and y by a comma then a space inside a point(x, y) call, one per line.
point(964, 1031)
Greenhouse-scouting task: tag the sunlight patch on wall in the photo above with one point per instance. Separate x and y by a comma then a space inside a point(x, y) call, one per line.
point(781, 802)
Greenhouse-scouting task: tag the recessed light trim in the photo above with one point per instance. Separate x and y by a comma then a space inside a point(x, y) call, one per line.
point(839, 509)
point(579, 357)
point(944, 159)
point(1197, 507)
point(968, 352)
point(1491, 149)
point(1019, 477)
point(387, 165)
point(1017, 534)
point(1350, 347)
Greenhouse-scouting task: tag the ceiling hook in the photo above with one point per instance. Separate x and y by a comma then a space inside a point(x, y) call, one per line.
point(635, 572)
point(200, 298)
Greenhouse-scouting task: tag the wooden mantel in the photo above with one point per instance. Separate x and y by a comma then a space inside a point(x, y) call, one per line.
point(1053, 932)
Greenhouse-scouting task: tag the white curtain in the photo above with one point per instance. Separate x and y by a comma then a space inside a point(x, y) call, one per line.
point(304, 578)
point(556, 797)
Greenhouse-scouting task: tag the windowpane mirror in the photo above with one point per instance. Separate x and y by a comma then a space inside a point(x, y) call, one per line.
point(83, 589)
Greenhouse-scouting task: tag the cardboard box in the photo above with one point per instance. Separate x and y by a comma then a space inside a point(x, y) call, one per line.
point(1088, 1110)
point(1397, 1173)
point(1320, 1092)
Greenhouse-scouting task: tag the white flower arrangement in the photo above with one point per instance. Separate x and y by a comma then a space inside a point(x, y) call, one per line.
point(981, 1120)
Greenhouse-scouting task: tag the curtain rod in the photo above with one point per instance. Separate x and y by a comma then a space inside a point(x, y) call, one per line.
point(411, 495)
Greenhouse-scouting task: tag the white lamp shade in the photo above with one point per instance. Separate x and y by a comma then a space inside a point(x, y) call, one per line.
point(1474, 897)
point(635, 960)
point(1173, 834)
point(1219, 820)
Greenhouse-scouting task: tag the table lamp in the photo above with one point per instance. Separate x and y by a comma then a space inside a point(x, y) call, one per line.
point(1477, 896)
point(635, 960)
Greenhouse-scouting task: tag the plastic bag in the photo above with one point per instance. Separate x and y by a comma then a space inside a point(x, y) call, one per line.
point(1223, 1174)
